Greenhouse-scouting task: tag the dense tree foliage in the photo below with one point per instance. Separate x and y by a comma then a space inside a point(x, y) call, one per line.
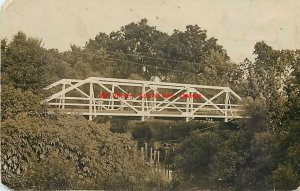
point(187, 56)
point(260, 152)
point(39, 151)
point(23, 63)
point(97, 157)
point(57, 152)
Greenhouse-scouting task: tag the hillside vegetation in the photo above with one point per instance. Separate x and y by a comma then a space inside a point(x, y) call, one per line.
point(43, 152)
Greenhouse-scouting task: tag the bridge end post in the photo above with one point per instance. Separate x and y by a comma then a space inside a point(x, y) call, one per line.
point(91, 97)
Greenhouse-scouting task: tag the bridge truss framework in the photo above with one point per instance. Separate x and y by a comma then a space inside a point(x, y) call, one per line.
point(80, 97)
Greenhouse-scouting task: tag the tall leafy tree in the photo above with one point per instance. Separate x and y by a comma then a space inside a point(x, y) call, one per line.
point(132, 43)
point(23, 63)
point(142, 49)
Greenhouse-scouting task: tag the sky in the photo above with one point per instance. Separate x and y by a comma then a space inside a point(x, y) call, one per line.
point(237, 24)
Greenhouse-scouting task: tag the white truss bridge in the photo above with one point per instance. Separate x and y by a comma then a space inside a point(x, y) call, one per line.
point(96, 96)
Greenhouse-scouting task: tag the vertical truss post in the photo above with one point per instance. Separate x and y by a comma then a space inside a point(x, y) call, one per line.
point(230, 107)
point(62, 99)
point(192, 106)
point(187, 109)
point(112, 102)
point(154, 99)
point(91, 96)
point(226, 105)
point(143, 102)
